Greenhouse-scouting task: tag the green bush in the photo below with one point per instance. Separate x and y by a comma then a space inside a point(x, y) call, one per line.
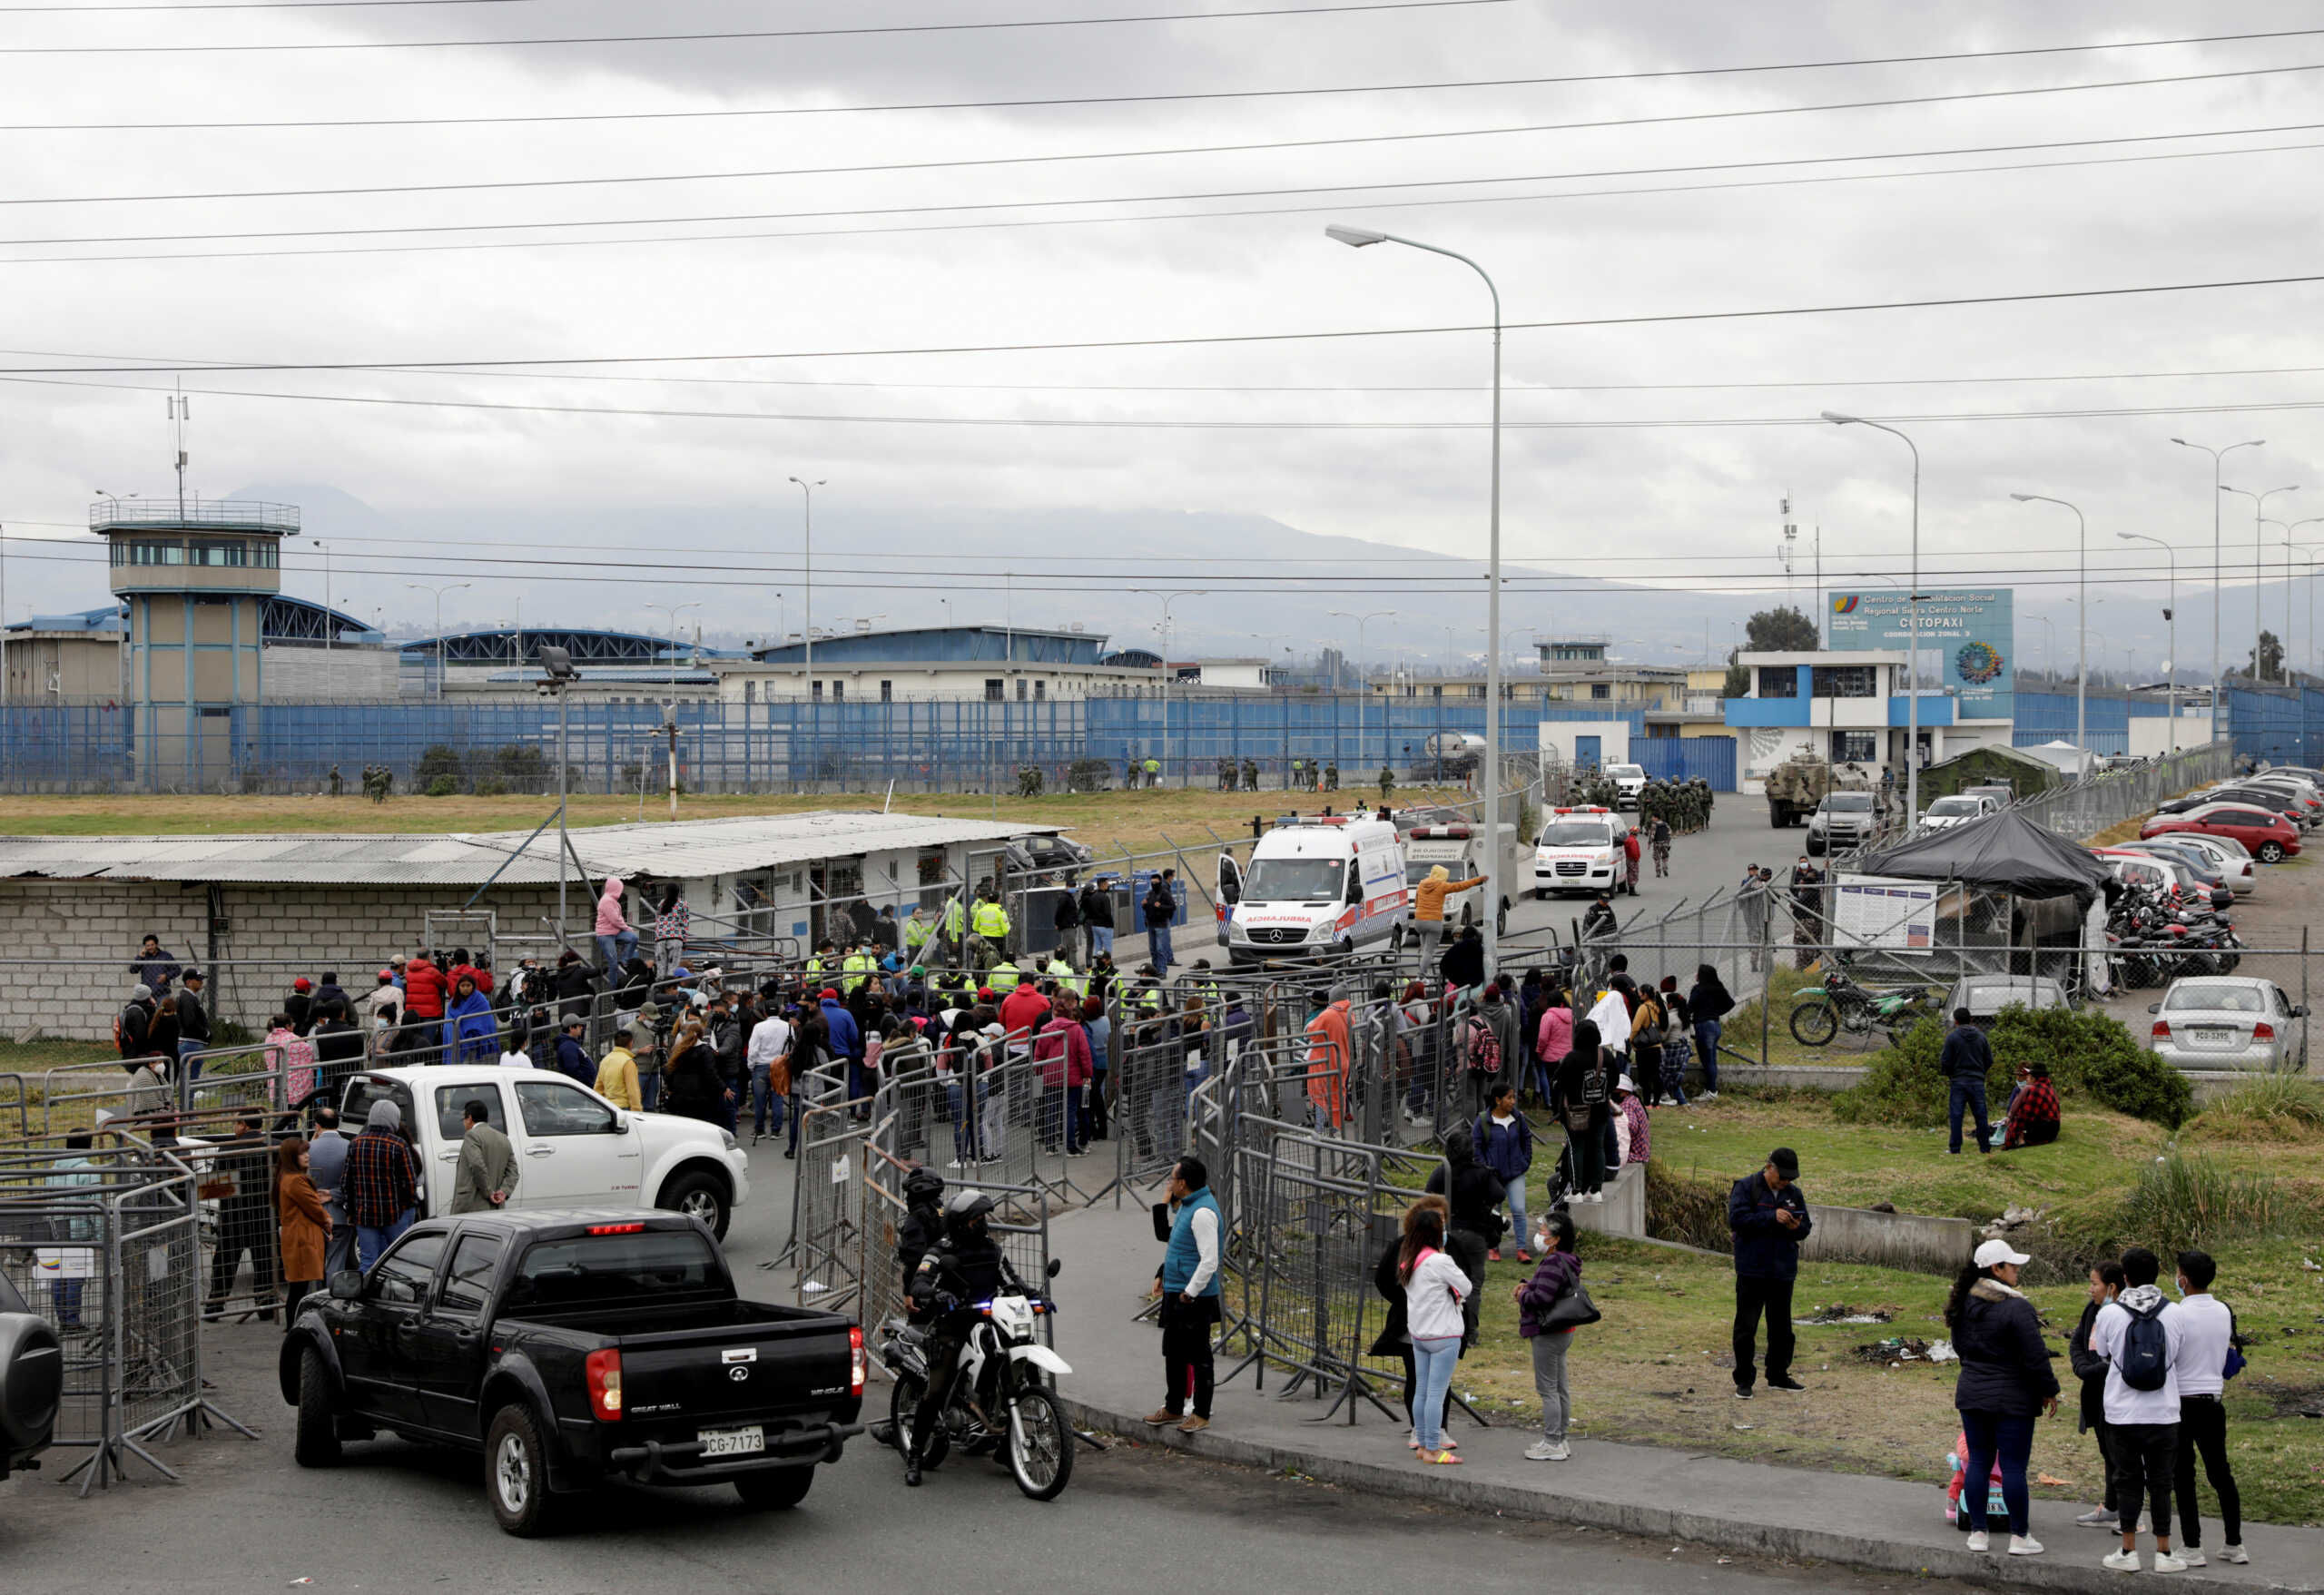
point(436, 759)
point(1681, 1207)
point(2266, 1108)
point(491, 786)
point(444, 786)
point(2089, 1054)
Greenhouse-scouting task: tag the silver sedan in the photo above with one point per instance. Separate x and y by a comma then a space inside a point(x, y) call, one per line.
point(2229, 1021)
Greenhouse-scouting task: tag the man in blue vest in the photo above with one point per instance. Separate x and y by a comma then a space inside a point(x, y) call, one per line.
point(1189, 1282)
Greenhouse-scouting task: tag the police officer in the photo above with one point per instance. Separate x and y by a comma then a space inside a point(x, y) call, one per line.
point(923, 1221)
point(965, 1266)
point(989, 921)
point(1600, 920)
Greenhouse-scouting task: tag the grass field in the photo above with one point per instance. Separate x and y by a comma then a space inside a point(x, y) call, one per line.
point(1139, 822)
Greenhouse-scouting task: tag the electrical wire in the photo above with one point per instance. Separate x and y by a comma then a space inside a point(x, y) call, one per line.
point(1182, 198)
point(736, 35)
point(1261, 146)
point(1665, 318)
point(1190, 96)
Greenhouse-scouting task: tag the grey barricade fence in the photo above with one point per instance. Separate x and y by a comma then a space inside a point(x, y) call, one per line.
point(105, 1242)
point(1019, 1225)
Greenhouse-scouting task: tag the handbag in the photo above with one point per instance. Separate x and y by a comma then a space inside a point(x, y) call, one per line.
point(1573, 1309)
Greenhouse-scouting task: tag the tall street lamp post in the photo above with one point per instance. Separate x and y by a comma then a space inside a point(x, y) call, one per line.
point(2170, 616)
point(1363, 687)
point(2217, 455)
point(2080, 620)
point(2258, 554)
point(1167, 672)
point(807, 558)
point(1360, 238)
point(440, 592)
point(1912, 626)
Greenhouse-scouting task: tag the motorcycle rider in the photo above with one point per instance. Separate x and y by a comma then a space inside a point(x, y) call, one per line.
point(965, 1266)
point(923, 1221)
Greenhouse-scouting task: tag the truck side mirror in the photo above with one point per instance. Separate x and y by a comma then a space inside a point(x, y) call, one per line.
point(345, 1286)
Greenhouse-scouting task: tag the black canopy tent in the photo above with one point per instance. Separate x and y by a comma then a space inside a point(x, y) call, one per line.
point(2001, 852)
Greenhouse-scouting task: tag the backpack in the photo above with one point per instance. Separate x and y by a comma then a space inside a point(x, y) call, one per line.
point(2145, 1361)
point(1484, 1046)
point(129, 1034)
point(1581, 1113)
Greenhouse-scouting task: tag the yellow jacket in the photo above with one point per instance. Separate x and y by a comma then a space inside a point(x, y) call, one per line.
point(991, 920)
point(617, 1081)
point(1428, 896)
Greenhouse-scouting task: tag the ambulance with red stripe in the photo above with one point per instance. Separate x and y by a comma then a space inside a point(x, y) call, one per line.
point(1579, 849)
point(1317, 886)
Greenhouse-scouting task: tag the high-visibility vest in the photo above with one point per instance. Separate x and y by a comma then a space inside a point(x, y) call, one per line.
point(917, 931)
point(953, 915)
point(858, 965)
point(990, 919)
point(1063, 974)
point(1003, 978)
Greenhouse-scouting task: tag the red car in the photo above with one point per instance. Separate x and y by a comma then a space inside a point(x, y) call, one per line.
point(2266, 836)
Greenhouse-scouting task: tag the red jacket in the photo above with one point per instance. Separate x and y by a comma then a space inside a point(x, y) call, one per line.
point(1062, 1049)
point(1023, 1011)
point(424, 987)
point(482, 978)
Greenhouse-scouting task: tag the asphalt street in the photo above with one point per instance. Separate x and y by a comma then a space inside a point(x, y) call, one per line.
point(400, 1517)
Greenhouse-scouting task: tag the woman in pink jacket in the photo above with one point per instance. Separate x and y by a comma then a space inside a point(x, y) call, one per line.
point(1554, 1040)
point(1062, 1049)
point(615, 941)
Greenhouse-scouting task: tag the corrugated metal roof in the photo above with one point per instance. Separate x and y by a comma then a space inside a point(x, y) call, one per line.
point(686, 850)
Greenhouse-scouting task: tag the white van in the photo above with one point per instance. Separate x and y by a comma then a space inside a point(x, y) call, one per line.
point(1460, 849)
point(1630, 780)
point(1317, 886)
point(1580, 850)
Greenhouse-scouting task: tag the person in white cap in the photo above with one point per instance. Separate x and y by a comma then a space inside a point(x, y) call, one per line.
point(2005, 1381)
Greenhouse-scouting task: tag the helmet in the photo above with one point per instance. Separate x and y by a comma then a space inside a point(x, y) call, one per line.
point(965, 1212)
point(922, 1187)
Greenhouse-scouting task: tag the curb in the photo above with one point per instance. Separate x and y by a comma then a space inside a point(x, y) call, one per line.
point(1453, 1487)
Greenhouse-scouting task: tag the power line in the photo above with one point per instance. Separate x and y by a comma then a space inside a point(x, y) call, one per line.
point(1193, 95)
point(732, 36)
point(1342, 140)
point(1179, 198)
point(1667, 318)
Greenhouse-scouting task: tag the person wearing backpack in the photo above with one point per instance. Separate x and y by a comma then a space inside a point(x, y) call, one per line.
point(1580, 1097)
point(1503, 1140)
point(1649, 1020)
point(1488, 1044)
point(2209, 1358)
point(2140, 1334)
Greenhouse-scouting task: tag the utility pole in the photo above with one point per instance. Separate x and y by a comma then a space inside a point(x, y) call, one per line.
point(670, 713)
point(2217, 684)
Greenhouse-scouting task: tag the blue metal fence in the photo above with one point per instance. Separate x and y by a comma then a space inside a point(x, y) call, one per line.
point(1683, 758)
point(2284, 726)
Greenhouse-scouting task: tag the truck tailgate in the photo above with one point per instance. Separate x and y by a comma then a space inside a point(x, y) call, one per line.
point(739, 1372)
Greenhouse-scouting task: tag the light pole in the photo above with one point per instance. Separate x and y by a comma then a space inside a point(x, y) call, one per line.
point(2170, 617)
point(440, 592)
point(328, 628)
point(1165, 594)
point(557, 677)
point(2217, 455)
point(1359, 237)
point(2287, 528)
point(2258, 554)
point(670, 722)
point(1363, 687)
point(1911, 624)
point(2308, 551)
point(807, 558)
point(2082, 618)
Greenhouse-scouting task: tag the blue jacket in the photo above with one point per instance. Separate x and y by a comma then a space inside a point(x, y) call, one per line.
point(574, 1059)
point(1509, 1153)
point(1967, 1055)
point(471, 1033)
point(847, 1040)
point(1183, 1257)
point(1765, 1249)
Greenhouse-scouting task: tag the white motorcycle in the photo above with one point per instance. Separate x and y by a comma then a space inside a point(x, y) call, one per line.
point(998, 1400)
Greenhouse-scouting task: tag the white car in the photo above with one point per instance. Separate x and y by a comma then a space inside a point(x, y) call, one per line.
point(574, 1148)
point(1580, 850)
point(1949, 811)
point(2229, 1021)
point(1629, 779)
point(2242, 875)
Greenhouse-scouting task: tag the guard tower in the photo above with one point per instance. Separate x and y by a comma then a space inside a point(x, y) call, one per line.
point(196, 575)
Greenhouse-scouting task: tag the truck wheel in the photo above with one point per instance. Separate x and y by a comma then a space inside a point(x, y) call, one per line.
point(776, 1489)
point(516, 1474)
point(1540, 894)
point(317, 1444)
point(1777, 818)
point(1814, 847)
point(697, 1195)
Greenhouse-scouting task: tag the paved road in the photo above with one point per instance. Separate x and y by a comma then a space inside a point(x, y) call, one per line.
point(400, 1518)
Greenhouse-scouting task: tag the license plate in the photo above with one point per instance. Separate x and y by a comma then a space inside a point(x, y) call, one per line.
point(732, 1442)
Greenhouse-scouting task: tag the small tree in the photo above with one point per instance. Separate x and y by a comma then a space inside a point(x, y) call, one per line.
point(1782, 630)
point(2271, 656)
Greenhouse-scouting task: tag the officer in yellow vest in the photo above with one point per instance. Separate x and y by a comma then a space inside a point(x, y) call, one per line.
point(989, 921)
point(1002, 978)
point(859, 965)
point(918, 928)
point(956, 918)
point(1061, 971)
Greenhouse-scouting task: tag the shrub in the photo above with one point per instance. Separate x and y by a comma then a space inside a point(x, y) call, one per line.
point(1681, 1207)
point(1089, 774)
point(2089, 1054)
point(491, 786)
point(2266, 1108)
point(437, 759)
point(444, 786)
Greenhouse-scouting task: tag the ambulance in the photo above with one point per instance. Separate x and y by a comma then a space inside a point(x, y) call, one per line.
point(1317, 886)
point(1460, 849)
point(1580, 850)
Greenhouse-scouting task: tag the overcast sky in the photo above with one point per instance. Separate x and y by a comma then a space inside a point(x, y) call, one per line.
point(1664, 503)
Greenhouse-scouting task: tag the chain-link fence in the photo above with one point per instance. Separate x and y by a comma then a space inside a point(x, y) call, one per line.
point(2083, 808)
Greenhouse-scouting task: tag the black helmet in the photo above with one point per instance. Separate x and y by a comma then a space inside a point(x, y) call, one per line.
point(922, 1187)
point(965, 1214)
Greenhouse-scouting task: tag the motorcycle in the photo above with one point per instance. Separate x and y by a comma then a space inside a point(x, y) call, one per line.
point(998, 1401)
point(1821, 1012)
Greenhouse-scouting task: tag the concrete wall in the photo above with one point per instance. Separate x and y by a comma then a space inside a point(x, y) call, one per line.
point(1613, 739)
point(1922, 1243)
point(333, 676)
point(1623, 1212)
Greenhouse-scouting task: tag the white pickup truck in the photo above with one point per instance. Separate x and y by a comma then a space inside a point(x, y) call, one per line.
point(574, 1148)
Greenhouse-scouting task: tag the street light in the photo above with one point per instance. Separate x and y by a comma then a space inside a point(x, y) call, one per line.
point(2217, 455)
point(328, 628)
point(1166, 595)
point(2170, 616)
point(557, 675)
point(1911, 623)
point(807, 557)
point(2258, 550)
point(440, 592)
point(2308, 552)
point(2287, 528)
point(670, 724)
point(2080, 617)
point(1363, 687)
point(673, 611)
point(1360, 238)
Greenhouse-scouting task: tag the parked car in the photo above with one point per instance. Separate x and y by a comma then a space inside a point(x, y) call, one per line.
point(2269, 837)
point(1999, 791)
point(1629, 779)
point(2257, 797)
point(1985, 996)
point(2309, 805)
point(1958, 810)
point(2216, 870)
point(1045, 855)
point(2229, 856)
point(573, 1146)
point(2147, 870)
point(572, 1348)
point(2229, 1021)
point(1842, 820)
point(32, 1380)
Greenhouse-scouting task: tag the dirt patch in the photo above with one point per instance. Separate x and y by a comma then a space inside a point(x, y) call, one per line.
point(2287, 1401)
point(1897, 1350)
point(1841, 1312)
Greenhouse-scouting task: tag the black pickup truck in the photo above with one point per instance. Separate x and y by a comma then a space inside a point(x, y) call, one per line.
point(575, 1347)
point(32, 1380)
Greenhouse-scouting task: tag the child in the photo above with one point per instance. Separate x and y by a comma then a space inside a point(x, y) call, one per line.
point(1955, 1512)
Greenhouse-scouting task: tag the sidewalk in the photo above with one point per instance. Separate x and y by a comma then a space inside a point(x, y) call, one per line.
point(1883, 1523)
